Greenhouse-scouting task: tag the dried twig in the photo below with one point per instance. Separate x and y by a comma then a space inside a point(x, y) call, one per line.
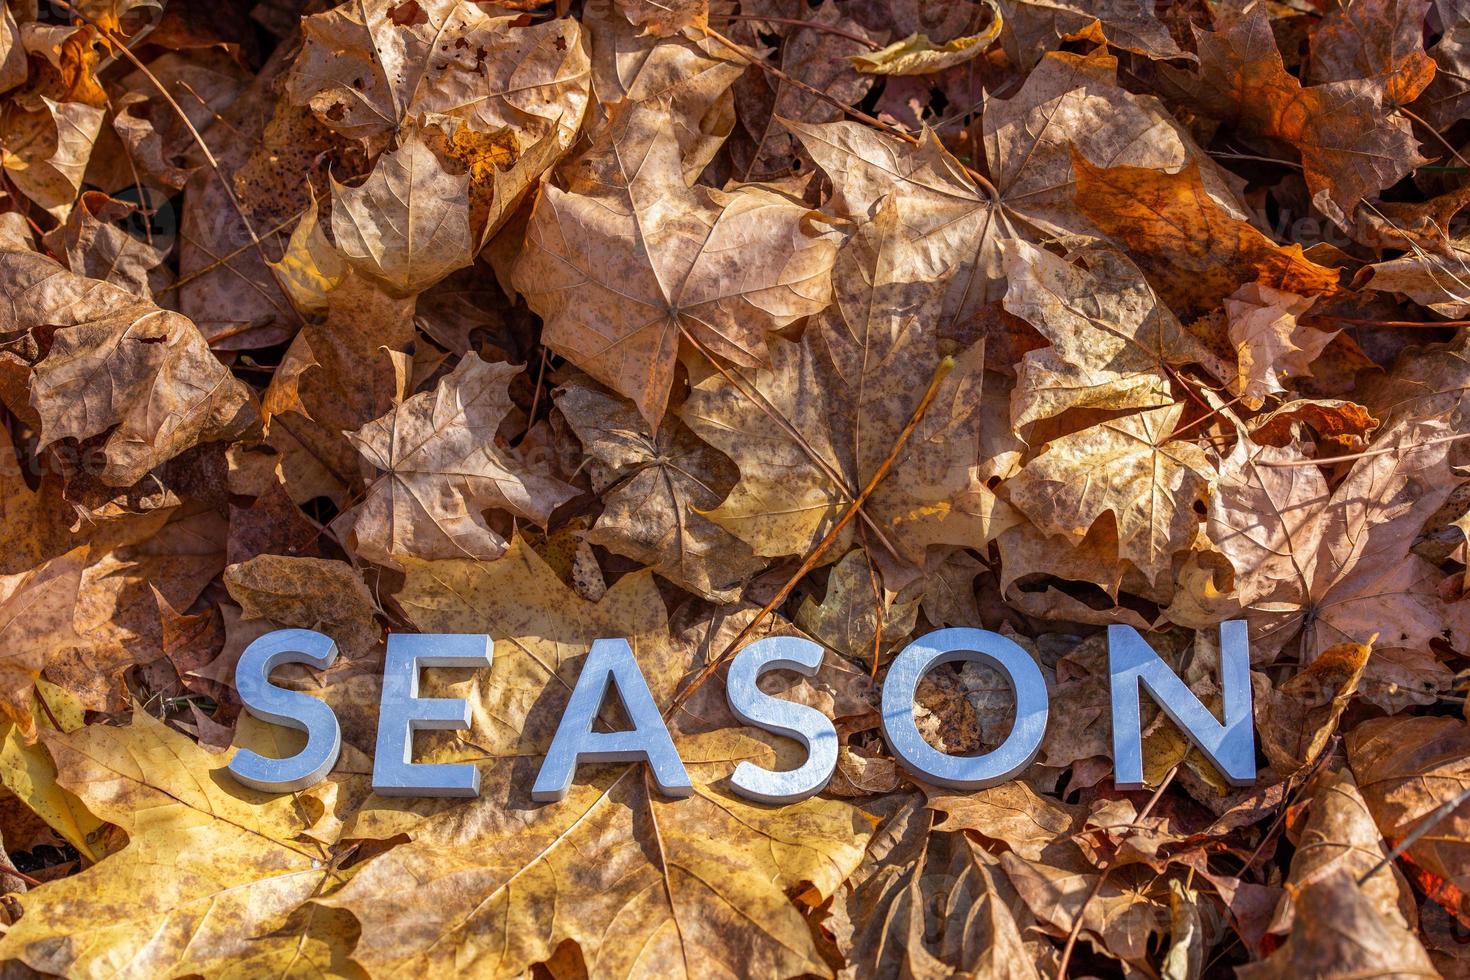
point(1102, 878)
point(1382, 451)
point(815, 556)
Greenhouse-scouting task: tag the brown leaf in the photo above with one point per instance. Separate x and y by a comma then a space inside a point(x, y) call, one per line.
point(1128, 467)
point(1406, 768)
point(1112, 343)
point(1335, 567)
point(117, 365)
point(1340, 932)
point(1194, 252)
point(441, 467)
point(1296, 719)
point(307, 593)
point(1350, 149)
point(367, 68)
point(655, 487)
point(619, 313)
point(408, 223)
point(831, 408)
point(1381, 41)
point(1340, 836)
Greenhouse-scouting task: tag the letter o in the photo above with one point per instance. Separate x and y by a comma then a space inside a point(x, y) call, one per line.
point(957, 771)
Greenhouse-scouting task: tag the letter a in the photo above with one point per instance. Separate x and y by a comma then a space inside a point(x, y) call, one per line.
point(611, 662)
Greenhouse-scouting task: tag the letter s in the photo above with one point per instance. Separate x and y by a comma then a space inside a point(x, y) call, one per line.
point(290, 708)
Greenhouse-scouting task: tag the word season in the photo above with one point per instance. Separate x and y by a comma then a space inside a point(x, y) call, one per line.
point(1132, 665)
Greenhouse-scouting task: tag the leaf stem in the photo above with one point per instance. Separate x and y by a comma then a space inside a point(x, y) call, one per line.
point(1383, 451)
point(813, 25)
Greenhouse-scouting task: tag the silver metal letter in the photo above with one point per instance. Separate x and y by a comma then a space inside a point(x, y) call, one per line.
point(290, 708)
point(1231, 746)
point(805, 724)
point(610, 662)
point(402, 712)
point(958, 771)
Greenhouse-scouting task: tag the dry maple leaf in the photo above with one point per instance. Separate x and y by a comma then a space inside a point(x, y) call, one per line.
point(441, 467)
point(1350, 148)
point(366, 68)
point(633, 259)
point(1407, 768)
point(1335, 567)
point(1112, 343)
point(408, 224)
point(1340, 933)
point(1340, 836)
point(1194, 252)
point(1129, 467)
point(857, 615)
point(307, 593)
point(1067, 101)
point(36, 620)
point(818, 58)
point(655, 487)
point(340, 373)
point(46, 149)
point(1035, 26)
point(828, 411)
point(210, 870)
point(1271, 345)
point(119, 366)
point(1378, 40)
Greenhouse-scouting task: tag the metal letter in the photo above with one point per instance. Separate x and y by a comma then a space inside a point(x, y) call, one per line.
point(290, 708)
point(1231, 746)
point(957, 771)
point(807, 725)
point(610, 662)
point(402, 712)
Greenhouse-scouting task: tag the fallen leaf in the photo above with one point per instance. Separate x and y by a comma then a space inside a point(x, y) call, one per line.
point(441, 467)
point(917, 55)
point(622, 322)
point(1129, 468)
point(656, 487)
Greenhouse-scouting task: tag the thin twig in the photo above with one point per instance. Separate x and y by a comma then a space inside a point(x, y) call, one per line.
point(815, 556)
point(824, 28)
point(1421, 324)
point(1365, 453)
point(1148, 808)
point(1448, 145)
point(1425, 826)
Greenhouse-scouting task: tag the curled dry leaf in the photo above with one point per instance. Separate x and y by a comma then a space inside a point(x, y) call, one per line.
point(917, 55)
point(115, 364)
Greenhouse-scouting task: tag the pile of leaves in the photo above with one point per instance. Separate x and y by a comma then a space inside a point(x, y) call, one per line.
point(694, 323)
